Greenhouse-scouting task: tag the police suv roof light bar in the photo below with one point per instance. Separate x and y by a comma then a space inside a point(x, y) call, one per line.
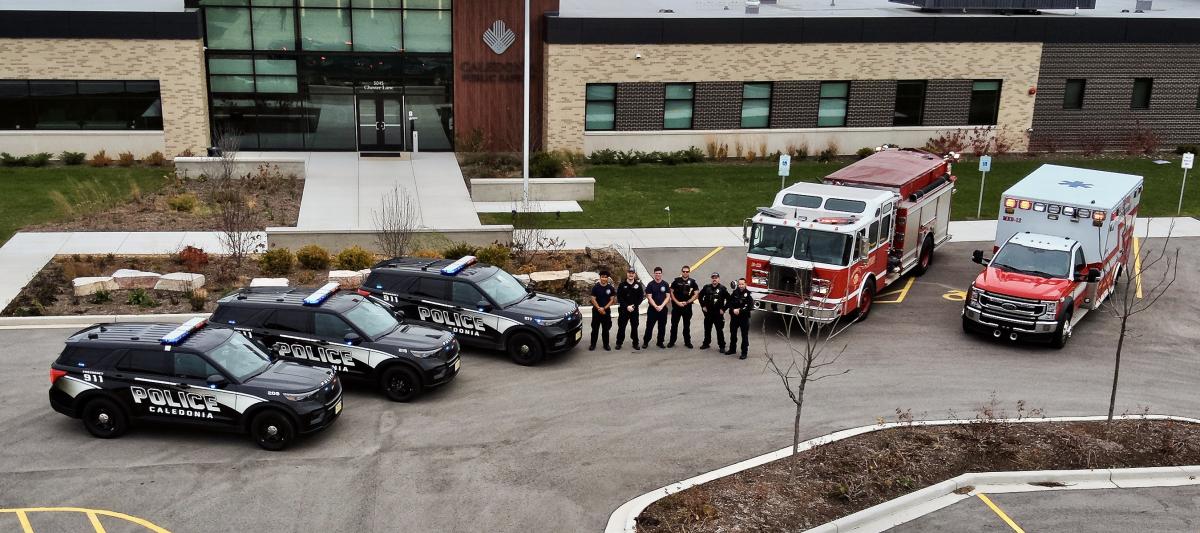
point(457, 266)
point(182, 332)
point(320, 295)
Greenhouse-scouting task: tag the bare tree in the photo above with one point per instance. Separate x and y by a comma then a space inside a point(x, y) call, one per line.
point(1131, 296)
point(529, 232)
point(396, 222)
point(237, 218)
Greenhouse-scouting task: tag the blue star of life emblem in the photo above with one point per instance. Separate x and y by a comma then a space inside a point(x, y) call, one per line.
point(1076, 184)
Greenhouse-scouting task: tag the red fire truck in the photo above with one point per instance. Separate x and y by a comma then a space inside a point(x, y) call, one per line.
point(823, 250)
point(1063, 238)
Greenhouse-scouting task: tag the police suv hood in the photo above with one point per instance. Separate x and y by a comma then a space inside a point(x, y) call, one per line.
point(414, 337)
point(285, 376)
point(543, 306)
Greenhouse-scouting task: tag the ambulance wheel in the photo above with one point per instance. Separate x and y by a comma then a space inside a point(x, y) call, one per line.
point(926, 257)
point(272, 430)
point(866, 301)
point(524, 349)
point(104, 419)
point(400, 384)
point(1063, 333)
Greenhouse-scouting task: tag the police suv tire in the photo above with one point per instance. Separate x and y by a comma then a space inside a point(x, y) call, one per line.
point(925, 258)
point(524, 349)
point(284, 432)
point(1062, 333)
point(104, 419)
point(400, 384)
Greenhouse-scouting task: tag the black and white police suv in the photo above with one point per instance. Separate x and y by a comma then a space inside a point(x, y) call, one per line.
point(111, 375)
point(482, 304)
point(355, 335)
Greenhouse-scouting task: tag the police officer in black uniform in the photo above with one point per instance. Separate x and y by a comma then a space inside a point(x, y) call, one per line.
point(684, 291)
point(713, 299)
point(740, 305)
point(603, 297)
point(629, 298)
point(656, 292)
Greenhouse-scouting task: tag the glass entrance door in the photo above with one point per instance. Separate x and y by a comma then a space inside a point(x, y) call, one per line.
point(381, 124)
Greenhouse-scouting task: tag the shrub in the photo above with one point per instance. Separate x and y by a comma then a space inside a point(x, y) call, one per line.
point(738, 150)
point(37, 160)
point(431, 254)
point(277, 262)
point(471, 142)
point(545, 165)
point(314, 257)
point(629, 158)
point(155, 159)
point(101, 159)
point(829, 153)
point(723, 151)
point(798, 151)
point(355, 258)
point(607, 156)
point(9, 160)
point(141, 298)
point(100, 297)
point(72, 158)
point(946, 142)
point(751, 155)
point(126, 159)
point(196, 299)
point(192, 258)
point(1142, 140)
point(693, 155)
point(864, 152)
point(460, 250)
point(710, 149)
point(184, 202)
point(495, 254)
point(1185, 148)
point(187, 152)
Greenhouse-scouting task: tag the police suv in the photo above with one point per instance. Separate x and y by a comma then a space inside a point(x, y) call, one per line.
point(353, 334)
point(111, 375)
point(484, 305)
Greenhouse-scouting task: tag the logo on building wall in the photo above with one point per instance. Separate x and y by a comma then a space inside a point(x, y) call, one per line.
point(499, 37)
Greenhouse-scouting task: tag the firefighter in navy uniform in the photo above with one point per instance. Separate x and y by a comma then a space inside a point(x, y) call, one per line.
point(629, 298)
point(713, 299)
point(740, 305)
point(684, 291)
point(603, 297)
point(656, 291)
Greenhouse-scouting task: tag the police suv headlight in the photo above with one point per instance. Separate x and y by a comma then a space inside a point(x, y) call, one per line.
point(425, 353)
point(1051, 309)
point(548, 321)
point(303, 396)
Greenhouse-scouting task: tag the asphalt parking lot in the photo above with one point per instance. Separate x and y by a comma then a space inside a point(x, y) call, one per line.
point(559, 446)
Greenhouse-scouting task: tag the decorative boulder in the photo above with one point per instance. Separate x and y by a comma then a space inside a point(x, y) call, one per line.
point(135, 279)
point(179, 282)
point(550, 276)
point(346, 279)
point(91, 285)
point(587, 278)
point(523, 278)
point(269, 282)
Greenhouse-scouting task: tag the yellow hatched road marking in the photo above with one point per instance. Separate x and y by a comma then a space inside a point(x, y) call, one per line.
point(697, 264)
point(95, 522)
point(1137, 266)
point(24, 522)
point(902, 292)
point(1000, 513)
point(92, 514)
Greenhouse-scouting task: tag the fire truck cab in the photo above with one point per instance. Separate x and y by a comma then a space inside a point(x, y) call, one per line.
point(823, 250)
point(1063, 238)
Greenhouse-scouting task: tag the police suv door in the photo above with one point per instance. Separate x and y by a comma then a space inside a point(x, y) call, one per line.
point(330, 331)
point(289, 334)
point(469, 319)
point(154, 391)
point(191, 374)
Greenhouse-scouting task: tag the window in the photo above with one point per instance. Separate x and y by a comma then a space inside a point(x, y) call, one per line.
point(377, 30)
point(1080, 264)
point(234, 315)
point(192, 366)
point(227, 28)
point(910, 103)
point(1073, 94)
point(294, 321)
point(274, 29)
point(601, 110)
point(802, 200)
point(324, 29)
point(677, 110)
point(775, 241)
point(464, 295)
point(372, 319)
point(82, 357)
point(240, 357)
point(146, 362)
point(79, 105)
point(845, 206)
point(430, 288)
point(427, 31)
point(243, 75)
point(329, 326)
point(756, 105)
point(835, 97)
point(873, 234)
point(985, 103)
point(1141, 93)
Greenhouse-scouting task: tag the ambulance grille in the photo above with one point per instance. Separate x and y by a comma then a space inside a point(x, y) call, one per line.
point(1011, 306)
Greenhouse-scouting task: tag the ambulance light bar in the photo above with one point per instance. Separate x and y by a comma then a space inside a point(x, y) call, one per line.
point(1098, 218)
point(1068, 211)
point(1039, 207)
point(1010, 205)
point(454, 268)
point(182, 332)
point(320, 295)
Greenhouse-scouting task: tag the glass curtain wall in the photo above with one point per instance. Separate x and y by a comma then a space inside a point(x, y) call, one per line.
point(283, 74)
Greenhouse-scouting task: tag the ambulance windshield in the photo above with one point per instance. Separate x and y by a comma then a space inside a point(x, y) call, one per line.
point(823, 247)
point(1015, 257)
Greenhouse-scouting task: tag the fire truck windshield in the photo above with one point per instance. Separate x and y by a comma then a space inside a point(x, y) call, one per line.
point(1033, 261)
point(775, 241)
point(823, 247)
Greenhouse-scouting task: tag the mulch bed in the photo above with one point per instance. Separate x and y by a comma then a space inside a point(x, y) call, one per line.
point(840, 478)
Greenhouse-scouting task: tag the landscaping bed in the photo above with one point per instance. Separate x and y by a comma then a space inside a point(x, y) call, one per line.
point(840, 478)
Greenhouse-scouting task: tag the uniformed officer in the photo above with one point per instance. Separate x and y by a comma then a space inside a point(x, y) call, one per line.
point(629, 298)
point(713, 299)
point(740, 306)
point(603, 297)
point(656, 292)
point(684, 291)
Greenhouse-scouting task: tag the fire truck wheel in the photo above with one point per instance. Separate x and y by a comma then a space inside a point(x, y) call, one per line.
point(1063, 333)
point(866, 300)
point(926, 258)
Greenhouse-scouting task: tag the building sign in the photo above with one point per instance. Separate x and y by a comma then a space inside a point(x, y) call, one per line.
point(491, 71)
point(377, 86)
point(499, 37)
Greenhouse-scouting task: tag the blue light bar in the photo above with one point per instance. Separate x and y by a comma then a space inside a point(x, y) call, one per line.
point(320, 295)
point(457, 266)
point(182, 332)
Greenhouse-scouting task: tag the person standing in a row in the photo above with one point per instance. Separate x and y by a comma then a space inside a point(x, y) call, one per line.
point(629, 300)
point(684, 292)
point(714, 297)
point(656, 292)
point(740, 306)
point(603, 297)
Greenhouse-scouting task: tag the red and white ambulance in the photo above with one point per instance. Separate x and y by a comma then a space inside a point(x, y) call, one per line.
point(824, 250)
point(1063, 238)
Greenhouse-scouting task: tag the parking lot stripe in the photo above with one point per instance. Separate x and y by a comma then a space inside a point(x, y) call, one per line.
point(900, 293)
point(1000, 513)
point(95, 522)
point(93, 516)
point(24, 522)
point(697, 264)
point(1137, 266)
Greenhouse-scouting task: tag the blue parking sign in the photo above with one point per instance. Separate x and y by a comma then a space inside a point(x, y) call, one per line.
point(985, 163)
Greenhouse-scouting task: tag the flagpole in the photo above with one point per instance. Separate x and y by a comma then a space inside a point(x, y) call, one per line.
point(525, 139)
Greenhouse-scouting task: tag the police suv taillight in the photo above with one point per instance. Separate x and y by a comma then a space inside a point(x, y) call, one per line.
point(55, 374)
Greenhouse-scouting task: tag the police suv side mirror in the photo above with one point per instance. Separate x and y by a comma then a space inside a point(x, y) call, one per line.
point(977, 256)
point(483, 305)
point(217, 380)
point(400, 316)
point(352, 339)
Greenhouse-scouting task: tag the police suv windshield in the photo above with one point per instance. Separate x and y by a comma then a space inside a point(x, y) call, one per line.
point(240, 358)
point(775, 241)
point(823, 247)
point(503, 288)
point(1033, 261)
point(372, 319)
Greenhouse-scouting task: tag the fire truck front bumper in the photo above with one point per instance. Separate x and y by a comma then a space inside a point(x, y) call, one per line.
point(817, 311)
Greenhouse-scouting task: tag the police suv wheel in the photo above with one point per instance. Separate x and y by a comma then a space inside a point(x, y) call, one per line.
point(524, 349)
point(400, 384)
point(272, 430)
point(104, 419)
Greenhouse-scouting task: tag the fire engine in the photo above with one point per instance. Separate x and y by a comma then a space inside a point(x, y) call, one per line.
point(824, 250)
point(1063, 239)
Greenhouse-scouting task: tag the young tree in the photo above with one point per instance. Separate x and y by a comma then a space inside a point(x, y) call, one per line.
point(237, 219)
point(396, 222)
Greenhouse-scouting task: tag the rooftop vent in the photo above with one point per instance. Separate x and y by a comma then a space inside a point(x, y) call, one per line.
point(752, 7)
point(1000, 5)
point(1141, 6)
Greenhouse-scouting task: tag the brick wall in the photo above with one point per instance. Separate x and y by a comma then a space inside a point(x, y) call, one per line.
point(794, 104)
point(872, 103)
point(640, 106)
point(178, 65)
point(948, 102)
point(718, 106)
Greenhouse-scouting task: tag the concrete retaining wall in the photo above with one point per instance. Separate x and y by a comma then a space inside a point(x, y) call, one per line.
point(140, 143)
point(197, 166)
point(336, 240)
point(540, 189)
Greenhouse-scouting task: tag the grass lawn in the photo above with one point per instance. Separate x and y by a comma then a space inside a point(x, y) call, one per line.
point(723, 194)
point(26, 193)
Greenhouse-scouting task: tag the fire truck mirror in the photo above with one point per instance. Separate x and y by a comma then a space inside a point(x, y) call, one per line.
point(733, 285)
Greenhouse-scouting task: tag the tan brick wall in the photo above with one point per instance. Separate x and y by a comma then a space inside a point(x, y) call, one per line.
point(569, 67)
point(178, 65)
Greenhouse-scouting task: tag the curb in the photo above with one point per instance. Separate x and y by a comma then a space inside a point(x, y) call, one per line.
point(87, 320)
point(623, 519)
